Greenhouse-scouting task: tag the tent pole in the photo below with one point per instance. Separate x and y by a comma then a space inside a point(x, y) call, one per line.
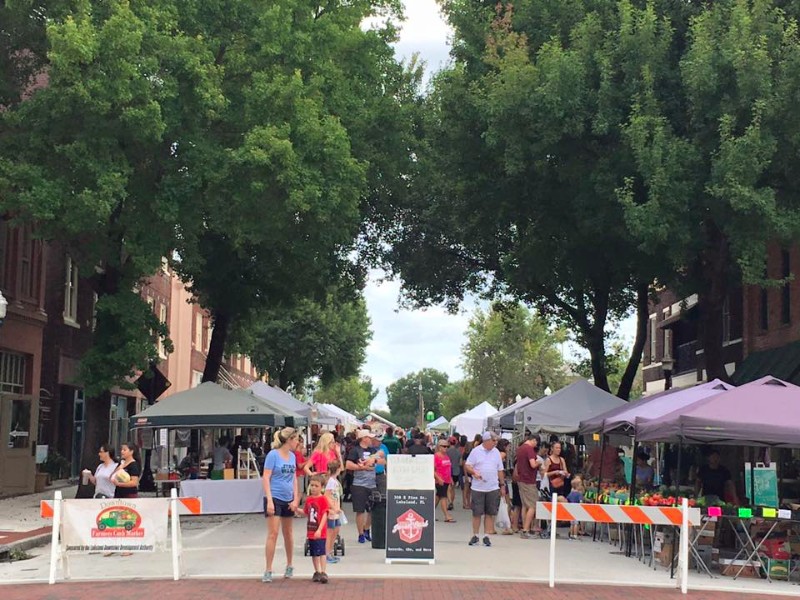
point(752, 477)
point(600, 472)
point(780, 476)
point(632, 496)
point(678, 488)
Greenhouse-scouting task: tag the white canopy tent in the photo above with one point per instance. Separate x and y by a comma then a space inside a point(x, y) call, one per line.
point(347, 419)
point(474, 421)
point(440, 424)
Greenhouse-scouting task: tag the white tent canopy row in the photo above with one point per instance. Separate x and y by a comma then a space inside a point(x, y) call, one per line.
point(277, 396)
point(474, 421)
point(440, 424)
point(348, 420)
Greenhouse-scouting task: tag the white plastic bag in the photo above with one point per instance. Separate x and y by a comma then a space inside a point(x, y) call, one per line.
point(343, 517)
point(503, 520)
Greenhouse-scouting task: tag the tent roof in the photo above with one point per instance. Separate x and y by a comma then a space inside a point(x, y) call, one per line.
point(286, 401)
point(506, 418)
point(211, 405)
point(339, 413)
point(765, 412)
point(482, 411)
point(563, 411)
point(441, 421)
point(652, 407)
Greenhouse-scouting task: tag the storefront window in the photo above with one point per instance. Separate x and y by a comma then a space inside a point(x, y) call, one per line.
point(20, 434)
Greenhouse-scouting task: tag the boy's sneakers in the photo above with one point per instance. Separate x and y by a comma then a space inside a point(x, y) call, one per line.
point(323, 578)
point(474, 541)
point(486, 541)
point(266, 577)
point(367, 536)
point(316, 576)
point(362, 539)
point(289, 573)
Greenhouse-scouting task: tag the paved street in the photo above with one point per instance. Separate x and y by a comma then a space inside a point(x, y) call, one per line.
point(346, 589)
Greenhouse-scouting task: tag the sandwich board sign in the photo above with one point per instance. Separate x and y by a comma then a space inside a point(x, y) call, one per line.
point(410, 508)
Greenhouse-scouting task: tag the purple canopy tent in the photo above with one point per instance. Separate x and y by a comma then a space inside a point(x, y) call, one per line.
point(652, 407)
point(765, 412)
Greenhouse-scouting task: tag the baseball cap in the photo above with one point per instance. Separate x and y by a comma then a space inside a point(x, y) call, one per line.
point(489, 435)
point(362, 433)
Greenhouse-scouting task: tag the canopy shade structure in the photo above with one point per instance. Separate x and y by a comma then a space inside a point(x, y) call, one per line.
point(652, 407)
point(783, 363)
point(765, 412)
point(508, 417)
point(211, 405)
point(440, 424)
point(277, 396)
point(350, 421)
point(474, 421)
point(563, 411)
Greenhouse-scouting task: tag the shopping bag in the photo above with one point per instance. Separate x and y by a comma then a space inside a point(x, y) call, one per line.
point(544, 488)
point(343, 518)
point(503, 520)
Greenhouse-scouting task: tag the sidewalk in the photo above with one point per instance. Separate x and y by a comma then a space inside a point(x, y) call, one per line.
point(21, 527)
point(344, 589)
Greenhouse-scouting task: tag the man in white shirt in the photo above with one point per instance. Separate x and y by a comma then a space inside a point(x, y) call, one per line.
point(485, 466)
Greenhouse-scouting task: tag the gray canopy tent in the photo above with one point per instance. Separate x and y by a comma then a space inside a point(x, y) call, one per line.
point(286, 401)
point(563, 411)
point(511, 416)
point(211, 405)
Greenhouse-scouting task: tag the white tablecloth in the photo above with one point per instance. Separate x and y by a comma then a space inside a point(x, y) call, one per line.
point(223, 497)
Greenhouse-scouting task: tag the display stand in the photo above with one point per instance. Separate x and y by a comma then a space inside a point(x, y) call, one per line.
point(247, 467)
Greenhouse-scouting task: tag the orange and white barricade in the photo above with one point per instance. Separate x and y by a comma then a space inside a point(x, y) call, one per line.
point(103, 524)
point(683, 517)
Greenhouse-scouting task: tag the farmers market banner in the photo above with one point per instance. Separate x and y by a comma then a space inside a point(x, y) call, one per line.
point(410, 509)
point(115, 525)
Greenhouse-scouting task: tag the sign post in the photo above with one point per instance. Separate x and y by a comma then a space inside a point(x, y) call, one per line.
point(410, 508)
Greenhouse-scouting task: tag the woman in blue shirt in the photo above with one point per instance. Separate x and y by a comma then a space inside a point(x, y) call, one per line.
point(281, 497)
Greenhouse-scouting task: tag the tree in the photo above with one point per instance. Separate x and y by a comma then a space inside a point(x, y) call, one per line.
point(458, 397)
point(354, 394)
point(715, 153)
point(326, 340)
point(511, 351)
point(617, 361)
point(403, 395)
point(522, 155)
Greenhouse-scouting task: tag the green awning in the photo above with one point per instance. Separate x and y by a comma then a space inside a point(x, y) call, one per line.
point(783, 363)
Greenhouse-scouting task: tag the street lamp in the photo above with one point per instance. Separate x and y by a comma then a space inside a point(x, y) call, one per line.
point(3, 308)
point(421, 407)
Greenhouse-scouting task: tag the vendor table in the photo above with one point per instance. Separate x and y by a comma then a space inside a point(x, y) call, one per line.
point(226, 496)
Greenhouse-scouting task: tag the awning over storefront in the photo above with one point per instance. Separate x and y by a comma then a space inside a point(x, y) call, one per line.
point(783, 363)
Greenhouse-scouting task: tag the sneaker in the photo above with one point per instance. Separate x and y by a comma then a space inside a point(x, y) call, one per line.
point(367, 535)
point(316, 576)
point(474, 541)
point(362, 539)
point(323, 578)
point(486, 541)
point(524, 536)
point(289, 573)
point(332, 560)
point(266, 577)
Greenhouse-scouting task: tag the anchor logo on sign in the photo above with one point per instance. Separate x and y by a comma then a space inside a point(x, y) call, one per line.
point(409, 526)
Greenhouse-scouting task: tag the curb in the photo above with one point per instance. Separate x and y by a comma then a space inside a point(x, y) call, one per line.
point(35, 541)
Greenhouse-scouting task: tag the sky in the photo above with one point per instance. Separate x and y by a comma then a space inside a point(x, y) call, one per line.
point(404, 341)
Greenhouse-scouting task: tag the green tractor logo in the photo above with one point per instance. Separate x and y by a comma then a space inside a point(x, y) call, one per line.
point(118, 517)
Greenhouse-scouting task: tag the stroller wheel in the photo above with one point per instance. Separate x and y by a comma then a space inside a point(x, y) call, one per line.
point(306, 549)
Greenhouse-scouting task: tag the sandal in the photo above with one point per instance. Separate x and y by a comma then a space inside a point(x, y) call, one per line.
point(449, 520)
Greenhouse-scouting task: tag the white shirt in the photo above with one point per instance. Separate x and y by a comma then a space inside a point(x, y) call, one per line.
point(488, 463)
point(103, 483)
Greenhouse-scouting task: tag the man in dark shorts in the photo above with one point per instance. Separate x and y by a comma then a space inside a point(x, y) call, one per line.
point(485, 466)
point(361, 462)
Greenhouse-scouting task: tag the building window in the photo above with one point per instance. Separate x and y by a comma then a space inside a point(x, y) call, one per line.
point(198, 331)
point(3, 252)
point(12, 372)
point(209, 333)
point(726, 320)
point(786, 292)
point(162, 316)
point(653, 334)
point(764, 312)
point(668, 343)
point(71, 292)
point(197, 378)
point(118, 421)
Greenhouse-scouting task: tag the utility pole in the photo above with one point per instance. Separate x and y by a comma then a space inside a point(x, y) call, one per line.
point(421, 418)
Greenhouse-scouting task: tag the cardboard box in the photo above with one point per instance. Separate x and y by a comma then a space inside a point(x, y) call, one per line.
point(665, 556)
point(228, 474)
point(729, 568)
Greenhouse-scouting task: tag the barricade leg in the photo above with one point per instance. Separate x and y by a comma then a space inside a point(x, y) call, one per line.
point(684, 554)
point(175, 526)
point(54, 538)
point(553, 527)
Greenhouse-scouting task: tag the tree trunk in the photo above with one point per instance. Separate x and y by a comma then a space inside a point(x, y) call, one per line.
point(596, 345)
point(715, 272)
point(216, 349)
point(642, 314)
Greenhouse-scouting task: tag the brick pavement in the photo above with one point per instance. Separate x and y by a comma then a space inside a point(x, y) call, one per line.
point(347, 589)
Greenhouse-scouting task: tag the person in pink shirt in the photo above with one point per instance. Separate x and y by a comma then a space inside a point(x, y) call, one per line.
point(324, 453)
point(443, 473)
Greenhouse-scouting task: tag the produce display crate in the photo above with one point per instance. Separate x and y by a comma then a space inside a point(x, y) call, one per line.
point(777, 569)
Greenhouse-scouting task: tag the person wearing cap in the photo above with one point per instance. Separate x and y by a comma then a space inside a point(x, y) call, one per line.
point(361, 461)
point(485, 466)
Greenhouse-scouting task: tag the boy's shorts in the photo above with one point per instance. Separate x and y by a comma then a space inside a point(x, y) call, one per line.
point(316, 547)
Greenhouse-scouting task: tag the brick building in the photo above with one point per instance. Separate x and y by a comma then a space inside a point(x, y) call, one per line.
point(761, 331)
